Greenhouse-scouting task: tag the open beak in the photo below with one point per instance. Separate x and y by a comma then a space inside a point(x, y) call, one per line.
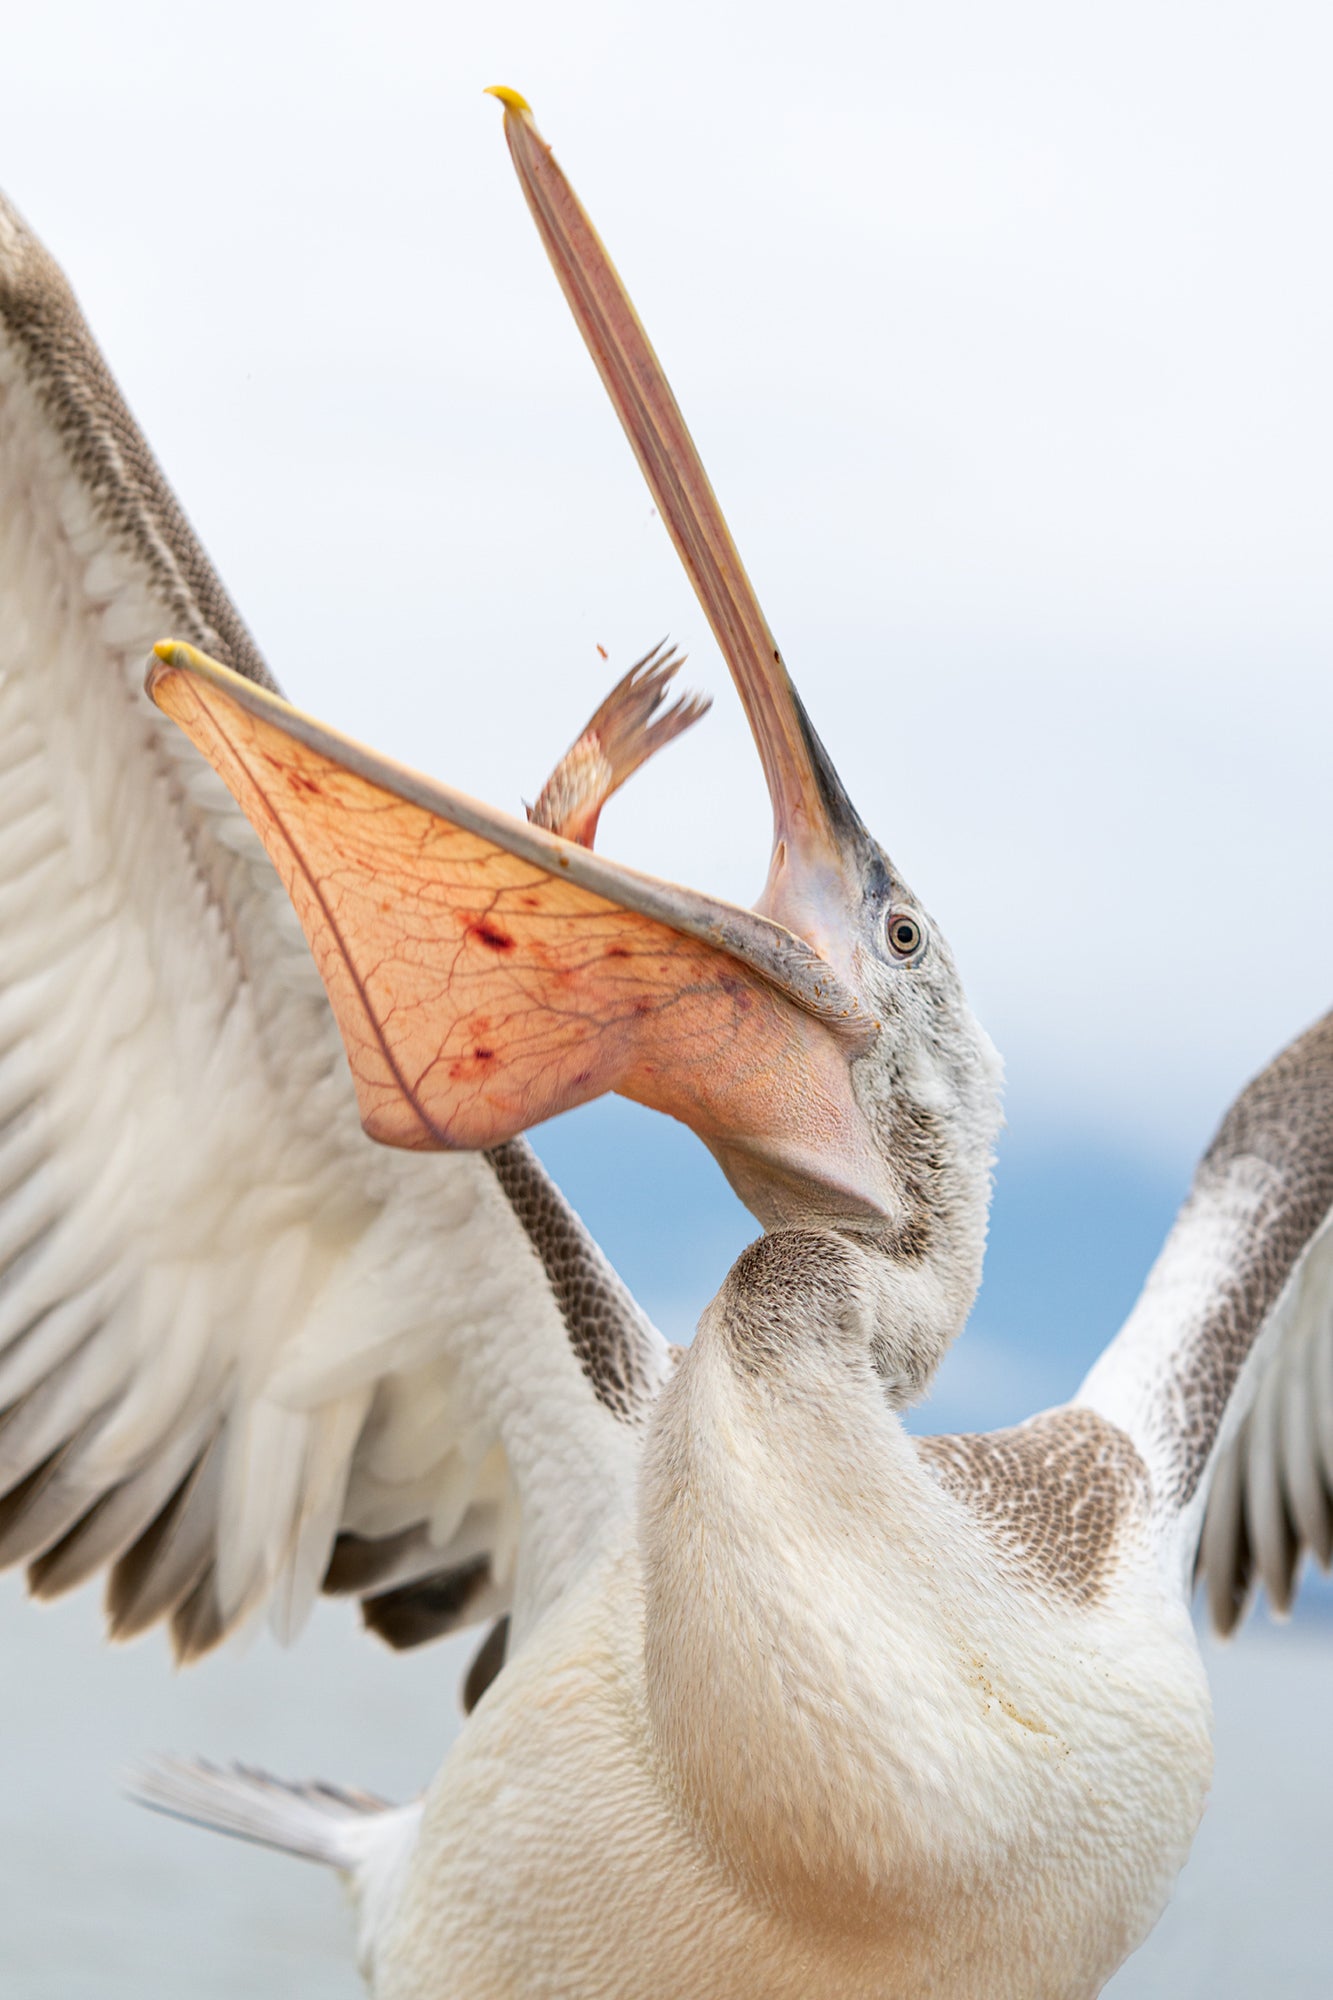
point(818, 840)
point(488, 973)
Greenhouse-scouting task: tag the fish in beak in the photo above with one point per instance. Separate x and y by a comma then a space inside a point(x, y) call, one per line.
point(630, 727)
point(488, 972)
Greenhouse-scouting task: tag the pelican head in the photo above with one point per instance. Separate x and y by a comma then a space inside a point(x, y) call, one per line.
point(922, 1078)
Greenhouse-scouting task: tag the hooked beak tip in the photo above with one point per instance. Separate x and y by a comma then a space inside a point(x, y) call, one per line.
point(512, 100)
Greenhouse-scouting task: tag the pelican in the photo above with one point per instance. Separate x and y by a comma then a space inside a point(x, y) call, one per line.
point(774, 1699)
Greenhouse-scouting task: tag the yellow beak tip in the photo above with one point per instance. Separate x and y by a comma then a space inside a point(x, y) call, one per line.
point(511, 99)
point(175, 653)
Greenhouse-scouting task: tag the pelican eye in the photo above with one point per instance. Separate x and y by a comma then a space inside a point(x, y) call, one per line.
point(904, 936)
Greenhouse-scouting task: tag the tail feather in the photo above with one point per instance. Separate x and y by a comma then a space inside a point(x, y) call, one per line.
point(317, 1821)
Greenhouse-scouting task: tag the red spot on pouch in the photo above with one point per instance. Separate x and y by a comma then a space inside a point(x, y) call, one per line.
point(487, 934)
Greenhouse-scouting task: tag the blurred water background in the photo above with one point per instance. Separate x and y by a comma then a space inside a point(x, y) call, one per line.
point(102, 1900)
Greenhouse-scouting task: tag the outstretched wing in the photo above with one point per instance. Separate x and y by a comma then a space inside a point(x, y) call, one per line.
point(1223, 1373)
point(242, 1350)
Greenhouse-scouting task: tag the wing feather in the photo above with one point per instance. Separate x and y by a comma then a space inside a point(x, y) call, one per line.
point(233, 1333)
point(1225, 1561)
point(1298, 1456)
point(1274, 1541)
point(115, 1519)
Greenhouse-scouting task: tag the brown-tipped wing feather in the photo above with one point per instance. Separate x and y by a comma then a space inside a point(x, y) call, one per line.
point(235, 1338)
